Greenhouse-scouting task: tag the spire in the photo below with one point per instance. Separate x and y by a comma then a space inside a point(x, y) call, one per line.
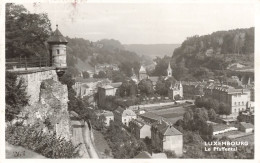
point(169, 66)
point(180, 84)
point(169, 70)
point(57, 26)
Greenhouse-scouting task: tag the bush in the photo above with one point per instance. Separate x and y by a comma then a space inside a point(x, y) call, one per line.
point(45, 144)
point(170, 154)
point(15, 96)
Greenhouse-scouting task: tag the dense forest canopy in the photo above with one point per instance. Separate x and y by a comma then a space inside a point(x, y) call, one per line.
point(26, 33)
point(220, 47)
point(204, 57)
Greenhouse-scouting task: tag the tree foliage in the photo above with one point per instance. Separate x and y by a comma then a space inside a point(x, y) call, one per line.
point(45, 144)
point(146, 87)
point(26, 33)
point(122, 144)
point(15, 96)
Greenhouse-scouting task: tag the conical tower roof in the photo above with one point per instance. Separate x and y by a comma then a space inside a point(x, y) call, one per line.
point(57, 37)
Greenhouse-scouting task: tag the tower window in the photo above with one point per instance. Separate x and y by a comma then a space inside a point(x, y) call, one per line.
point(58, 51)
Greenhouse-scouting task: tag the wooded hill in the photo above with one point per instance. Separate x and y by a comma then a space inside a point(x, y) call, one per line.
point(219, 47)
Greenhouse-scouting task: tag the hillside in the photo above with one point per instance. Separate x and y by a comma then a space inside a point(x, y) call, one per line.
point(218, 48)
point(83, 54)
point(208, 56)
point(152, 50)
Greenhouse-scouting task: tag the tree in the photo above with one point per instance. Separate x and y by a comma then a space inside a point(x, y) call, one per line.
point(101, 74)
point(15, 96)
point(146, 87)
point(128, 88)
point(224, 109)
point(170, 154)
point(85, 74)
point(212, 114)
point(26, 33)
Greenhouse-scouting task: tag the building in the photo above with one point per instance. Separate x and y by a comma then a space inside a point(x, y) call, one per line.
point(140, 129)
point(108, 115)
point(150, 117)
point(166, 138)
point(107, 90)
point(236, 99)
point(176, 90)
point(124, 116)
point(192, 90)
point(105, 68)
point(142, 74)
point(87, 87)
point(247, 116)
point(246, 127)
point(169, 70)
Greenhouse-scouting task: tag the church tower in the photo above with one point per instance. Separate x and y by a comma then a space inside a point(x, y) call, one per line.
point(57, 48)
point(169, 70)
point(142, 73)
point(181, 90)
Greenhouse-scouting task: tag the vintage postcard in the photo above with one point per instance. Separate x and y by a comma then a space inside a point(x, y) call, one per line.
point(129, 80)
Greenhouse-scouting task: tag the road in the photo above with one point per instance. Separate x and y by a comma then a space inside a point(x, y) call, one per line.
point(81, 134)
point(77, 138)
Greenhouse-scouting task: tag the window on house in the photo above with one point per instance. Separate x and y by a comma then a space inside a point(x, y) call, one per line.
point(235, 110)
point(243, 103)
point(235, 103)
point(238, 103)
point(58, 51)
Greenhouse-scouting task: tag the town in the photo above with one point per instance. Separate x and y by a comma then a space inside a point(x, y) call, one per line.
point(113, 110)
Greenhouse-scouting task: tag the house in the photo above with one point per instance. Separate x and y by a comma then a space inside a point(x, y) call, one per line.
point(108, 115)
point(236, 99)
point(150, 117)
point(107, 90)
point(124, 116)
point(246, 127)
point(140, 129)
point(87, 87)
point(166, 138)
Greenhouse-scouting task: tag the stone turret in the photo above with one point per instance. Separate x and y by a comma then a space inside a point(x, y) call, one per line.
point(57, 48)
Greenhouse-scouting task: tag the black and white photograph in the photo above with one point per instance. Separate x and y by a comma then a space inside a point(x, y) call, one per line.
point(129, 80)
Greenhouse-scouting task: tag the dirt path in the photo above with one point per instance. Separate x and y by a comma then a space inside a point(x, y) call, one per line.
point(81, 134)
point(77, 138)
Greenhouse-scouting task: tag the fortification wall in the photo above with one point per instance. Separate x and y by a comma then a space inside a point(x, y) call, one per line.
point(48, 102)
point(33, 82)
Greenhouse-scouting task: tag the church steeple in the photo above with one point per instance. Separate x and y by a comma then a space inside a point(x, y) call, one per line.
point(169, 70)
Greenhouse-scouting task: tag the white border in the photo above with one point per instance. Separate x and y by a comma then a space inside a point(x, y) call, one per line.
point(257, 84)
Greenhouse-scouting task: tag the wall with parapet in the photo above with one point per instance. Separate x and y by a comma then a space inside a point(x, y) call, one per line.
point(48, 102)
point(33, 82)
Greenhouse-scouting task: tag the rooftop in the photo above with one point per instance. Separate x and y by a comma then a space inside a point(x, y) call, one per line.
point(165, 128)
point(57, 37)
point(247, 125)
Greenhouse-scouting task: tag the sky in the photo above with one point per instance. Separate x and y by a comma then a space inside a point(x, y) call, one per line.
point(145, 23)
